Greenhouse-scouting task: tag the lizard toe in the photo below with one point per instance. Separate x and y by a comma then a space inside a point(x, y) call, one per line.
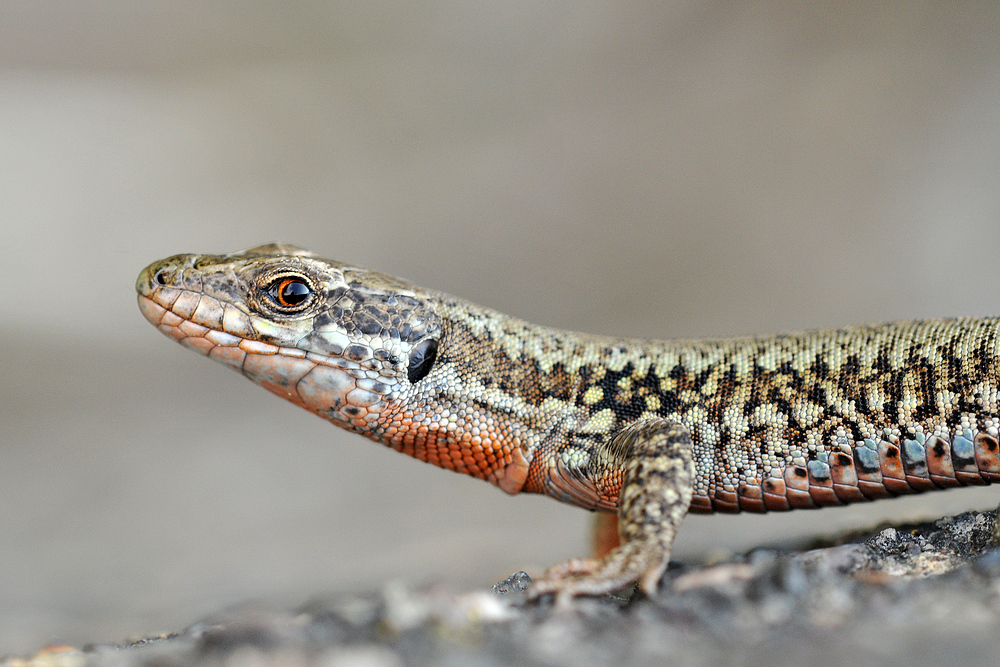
point(627, 564)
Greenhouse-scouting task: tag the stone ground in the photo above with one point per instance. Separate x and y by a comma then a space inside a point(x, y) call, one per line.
point(905, 595)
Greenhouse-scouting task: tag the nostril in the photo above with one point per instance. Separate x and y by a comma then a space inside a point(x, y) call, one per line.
point(161, 277)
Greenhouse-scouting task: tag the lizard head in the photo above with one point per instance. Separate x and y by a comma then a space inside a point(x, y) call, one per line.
point(339, 340)
point(359, 348)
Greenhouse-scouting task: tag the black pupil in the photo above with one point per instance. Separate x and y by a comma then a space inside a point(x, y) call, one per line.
point(421, 360)
point(293, 292)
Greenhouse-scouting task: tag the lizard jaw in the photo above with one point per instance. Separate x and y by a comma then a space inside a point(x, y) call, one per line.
point(333, 388)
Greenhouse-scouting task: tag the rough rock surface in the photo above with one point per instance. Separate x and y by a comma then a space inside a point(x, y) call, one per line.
point(924, 594)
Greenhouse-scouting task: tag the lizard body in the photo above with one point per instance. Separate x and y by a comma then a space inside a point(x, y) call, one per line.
point(650, 429)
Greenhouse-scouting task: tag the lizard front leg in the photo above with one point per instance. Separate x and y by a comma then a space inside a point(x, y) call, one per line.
point(656, 492)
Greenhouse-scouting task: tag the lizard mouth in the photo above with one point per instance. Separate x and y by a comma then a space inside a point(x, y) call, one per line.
point(213, 342)
point(332, 387)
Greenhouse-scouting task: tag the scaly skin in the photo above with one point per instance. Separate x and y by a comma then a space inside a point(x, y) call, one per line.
point(650, 429)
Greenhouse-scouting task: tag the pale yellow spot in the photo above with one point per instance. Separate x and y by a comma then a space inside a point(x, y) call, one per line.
point(617, 362)
point(600, 422)
point(688, 396)
point(593, 395)
point(552, 406)
point(652, 403)
point(574, 457)
point(625, 383)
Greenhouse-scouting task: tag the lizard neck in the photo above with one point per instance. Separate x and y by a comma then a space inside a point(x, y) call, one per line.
point(516, 402)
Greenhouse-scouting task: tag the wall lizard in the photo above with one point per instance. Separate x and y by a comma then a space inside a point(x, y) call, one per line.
point(648, 429)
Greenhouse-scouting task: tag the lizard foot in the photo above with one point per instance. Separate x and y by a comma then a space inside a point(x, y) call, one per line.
point(627, 564)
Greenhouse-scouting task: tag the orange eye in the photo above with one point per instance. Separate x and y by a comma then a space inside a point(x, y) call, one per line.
point(291, 292)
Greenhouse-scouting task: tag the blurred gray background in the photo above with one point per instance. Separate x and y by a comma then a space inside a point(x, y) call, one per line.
point(642, 169)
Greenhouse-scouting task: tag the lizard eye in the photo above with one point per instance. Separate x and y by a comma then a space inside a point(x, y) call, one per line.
point(290, 293)
point(422, 358)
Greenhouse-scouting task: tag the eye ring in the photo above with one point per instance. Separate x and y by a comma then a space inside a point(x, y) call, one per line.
point(290, 293)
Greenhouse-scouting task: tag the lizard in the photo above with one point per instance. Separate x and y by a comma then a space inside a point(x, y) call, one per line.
point(647, 429)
